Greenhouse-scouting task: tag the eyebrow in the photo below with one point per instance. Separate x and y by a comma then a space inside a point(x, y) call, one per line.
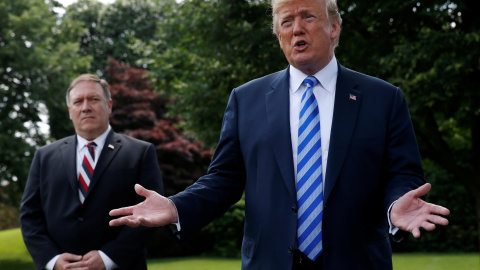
point(301, 11)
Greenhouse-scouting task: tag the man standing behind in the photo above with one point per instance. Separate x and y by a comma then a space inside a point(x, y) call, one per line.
point(75, 181)
point(326, 156)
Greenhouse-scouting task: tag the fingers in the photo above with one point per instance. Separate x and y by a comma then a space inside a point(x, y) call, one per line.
point(428, 226)
point(122, 211)
point(422, 191)
point(416, 232)
point(70, 257)
point(438, 220)
point(439, 210)
point(128, 220)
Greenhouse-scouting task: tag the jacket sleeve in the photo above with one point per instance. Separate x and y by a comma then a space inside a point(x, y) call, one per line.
point(212, 195)
point(32, 219)
point(403, 163)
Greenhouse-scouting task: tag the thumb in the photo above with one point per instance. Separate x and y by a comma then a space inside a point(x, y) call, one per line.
point(140, 190)
point(422, 191)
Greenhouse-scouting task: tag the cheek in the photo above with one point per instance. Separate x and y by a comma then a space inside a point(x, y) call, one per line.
point(71, 114)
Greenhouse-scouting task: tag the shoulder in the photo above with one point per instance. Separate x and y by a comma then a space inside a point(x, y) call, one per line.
point(265, 83)
point(363, 80)
point(128, 140)
point(57, 144)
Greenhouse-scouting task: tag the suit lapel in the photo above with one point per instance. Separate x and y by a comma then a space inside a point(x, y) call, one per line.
point(277, 102)
point(347, 103)
point(109, 151)
point(69, 159)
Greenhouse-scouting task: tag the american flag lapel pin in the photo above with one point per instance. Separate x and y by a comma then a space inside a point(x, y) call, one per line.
point(111, 146)
point(352, 97)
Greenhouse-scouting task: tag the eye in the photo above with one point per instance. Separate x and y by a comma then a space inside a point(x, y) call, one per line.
point(286, 21)
point(309, 17)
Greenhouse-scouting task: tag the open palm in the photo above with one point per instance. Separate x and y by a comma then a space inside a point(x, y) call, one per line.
point(155, 210)
point(410, 213)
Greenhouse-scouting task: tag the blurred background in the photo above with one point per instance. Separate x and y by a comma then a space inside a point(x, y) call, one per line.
point(171, 65)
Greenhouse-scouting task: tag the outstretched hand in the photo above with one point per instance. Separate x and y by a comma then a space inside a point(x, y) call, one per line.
point(155, 210)
point(410, 213)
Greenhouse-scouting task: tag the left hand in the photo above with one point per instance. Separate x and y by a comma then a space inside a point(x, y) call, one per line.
point(90, 261)
point(410, 213)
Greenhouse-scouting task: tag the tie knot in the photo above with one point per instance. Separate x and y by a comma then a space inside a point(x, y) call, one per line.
point(91, 144)
point(310, 81)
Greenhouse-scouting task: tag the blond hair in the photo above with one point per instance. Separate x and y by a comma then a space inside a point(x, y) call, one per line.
point(331, 8)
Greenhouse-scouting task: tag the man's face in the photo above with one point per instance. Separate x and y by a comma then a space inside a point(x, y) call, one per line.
point(305, 34)
point(89, 109)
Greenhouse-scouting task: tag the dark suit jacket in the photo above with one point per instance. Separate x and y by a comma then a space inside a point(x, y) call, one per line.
point(373, 160)
point(54, 222)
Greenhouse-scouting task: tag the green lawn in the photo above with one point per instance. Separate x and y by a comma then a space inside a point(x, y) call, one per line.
point(14, 256)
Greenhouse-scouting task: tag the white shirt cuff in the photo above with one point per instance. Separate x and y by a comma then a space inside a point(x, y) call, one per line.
point(51, 264)
point(392, 229)
point(109, 264)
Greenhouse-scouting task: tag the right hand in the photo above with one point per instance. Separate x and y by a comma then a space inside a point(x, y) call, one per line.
point(156, 210)
point(65, 259)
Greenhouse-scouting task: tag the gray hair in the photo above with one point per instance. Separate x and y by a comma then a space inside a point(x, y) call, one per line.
point(331, 7)
point(89, 78)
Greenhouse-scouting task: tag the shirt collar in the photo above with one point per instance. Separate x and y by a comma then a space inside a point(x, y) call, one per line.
point(326, 76)
point(100, 140)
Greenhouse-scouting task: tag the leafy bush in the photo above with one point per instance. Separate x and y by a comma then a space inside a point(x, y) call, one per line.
point(227, 232)
point(461, 234)
point(9, 217)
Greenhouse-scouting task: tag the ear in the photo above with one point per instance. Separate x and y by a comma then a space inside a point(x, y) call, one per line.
point(69, 113)
point(335, 31)
point(110, 105)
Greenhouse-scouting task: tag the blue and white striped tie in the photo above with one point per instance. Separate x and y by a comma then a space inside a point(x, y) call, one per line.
point(309, 175)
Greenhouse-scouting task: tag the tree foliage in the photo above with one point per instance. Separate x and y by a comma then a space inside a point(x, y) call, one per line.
point(141, 113)
point(431, 50)
point(34, 53)
point(202, 50)
point(112, 29)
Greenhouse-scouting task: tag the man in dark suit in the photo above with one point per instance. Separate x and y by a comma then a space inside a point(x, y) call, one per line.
point(75, 181)
point(326, 156)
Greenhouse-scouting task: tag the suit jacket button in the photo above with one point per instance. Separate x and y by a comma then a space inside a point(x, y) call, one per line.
point(290, 250)
point(80, 219)
point(294, 209)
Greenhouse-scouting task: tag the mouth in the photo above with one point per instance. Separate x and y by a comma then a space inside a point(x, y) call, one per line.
point(300, 44)
point(88, 118)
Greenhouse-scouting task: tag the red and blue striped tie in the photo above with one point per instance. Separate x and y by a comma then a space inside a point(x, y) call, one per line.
point(86, 171)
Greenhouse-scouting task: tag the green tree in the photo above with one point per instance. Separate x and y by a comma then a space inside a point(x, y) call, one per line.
point(202, 50)
point(431, 50)
point(112, 29)
point(34, 51)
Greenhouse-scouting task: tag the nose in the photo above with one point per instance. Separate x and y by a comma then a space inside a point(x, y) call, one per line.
point(86, 105)
point(298, 27)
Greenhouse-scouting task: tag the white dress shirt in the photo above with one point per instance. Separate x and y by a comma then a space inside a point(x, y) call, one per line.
point(325, 94)
point(81, 148)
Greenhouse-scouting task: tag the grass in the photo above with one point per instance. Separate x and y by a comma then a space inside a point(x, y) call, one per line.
point(14, 256)
point(436, 261)
point(13, 253)
point(194, 263)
